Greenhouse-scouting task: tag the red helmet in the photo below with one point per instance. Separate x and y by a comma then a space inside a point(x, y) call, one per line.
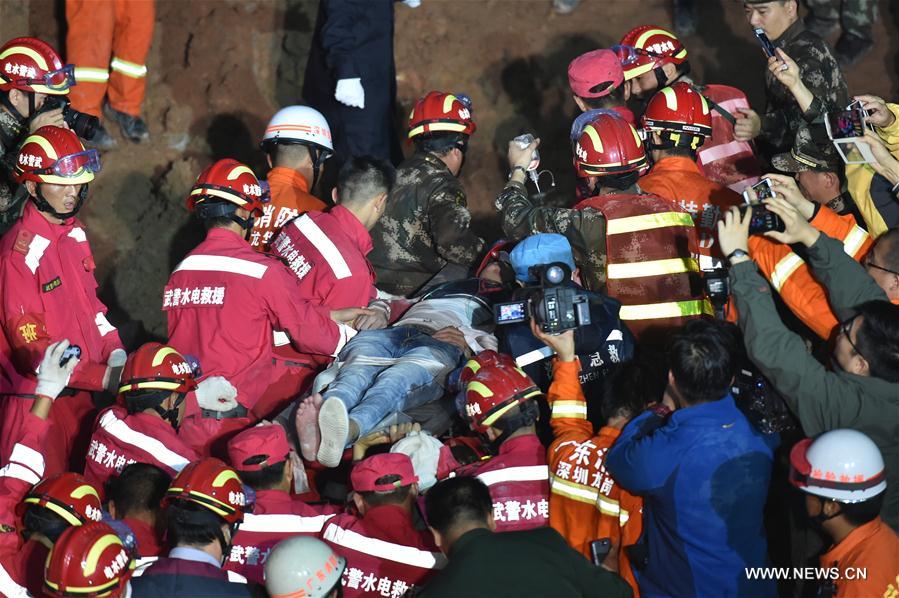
point(499, 252)
point(56, 155)
point(648, 47)
point(488, 358)
point(69, 495)
point(210, 484)
point(227, 180)
point(158, 367)
point(29, 64)
point(607, 145)
point(493, 390)
point(679, 109)
point(89, 560)
point(441, 112)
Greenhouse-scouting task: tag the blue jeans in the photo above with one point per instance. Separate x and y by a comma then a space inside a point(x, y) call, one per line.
point(373, 391)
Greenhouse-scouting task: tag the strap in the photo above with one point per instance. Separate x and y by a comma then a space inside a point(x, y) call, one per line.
point(717, 108)
point(239, 411)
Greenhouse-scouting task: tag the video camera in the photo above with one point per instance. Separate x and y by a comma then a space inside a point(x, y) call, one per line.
point(83, 125)
point(554, 307)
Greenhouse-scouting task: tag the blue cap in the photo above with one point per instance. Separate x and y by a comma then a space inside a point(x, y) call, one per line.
point(540, 249)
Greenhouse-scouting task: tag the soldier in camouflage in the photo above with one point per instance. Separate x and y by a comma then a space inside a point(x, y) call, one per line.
point(426, 224)
point(818, 68)
point(855, 17)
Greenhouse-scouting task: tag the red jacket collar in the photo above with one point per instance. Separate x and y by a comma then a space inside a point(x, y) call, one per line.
point(34, 221)
point(353, 228)
point(526, 442)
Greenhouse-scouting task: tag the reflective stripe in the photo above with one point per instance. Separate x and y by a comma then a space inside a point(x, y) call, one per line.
point(384, 550)
point(677, 265)
point(28, 457)
point(578, 492)
point(77, 233)
point(128, 68)
point(674, 309)
point(120, 430)
point(309, 229)
point(346, 333)
point(533, 356)
point(283, 523)
point(280, 338)
point(103, 324)
point(90, 75)
point(10, 588)
point(633, 224)
point(236, 577)
point(784, 269)
point(526, 473)
point(141, 565)
point(854, 241)
point(623, 516)
point(576, 409)
point(36, 250)
point(607, 505)
point(707, 262)
point(19, 472)
point(221, 263)
point(725, 150)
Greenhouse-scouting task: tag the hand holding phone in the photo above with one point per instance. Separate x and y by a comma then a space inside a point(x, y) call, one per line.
point(767, 46)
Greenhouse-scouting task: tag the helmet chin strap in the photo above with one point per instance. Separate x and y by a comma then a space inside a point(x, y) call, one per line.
point(528, 412)
point(820, 518)
point(171, 415)
point(44, 206)
point(207, 211)
point(4, 99)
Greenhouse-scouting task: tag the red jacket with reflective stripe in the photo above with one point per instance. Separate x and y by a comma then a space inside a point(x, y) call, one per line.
point(225, 300)
point(47, 293)
point(326, 251)
point(276, 516)
point(722, 158)
point(385, 553)
point(518, 479)
point(120, 439)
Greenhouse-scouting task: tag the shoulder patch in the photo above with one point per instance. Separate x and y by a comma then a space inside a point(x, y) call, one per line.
point(23, 240)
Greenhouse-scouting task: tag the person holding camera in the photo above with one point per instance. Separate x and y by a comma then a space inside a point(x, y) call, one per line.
point(30, 71)
point(703, 471)
point(862, 390)
point(635, 247)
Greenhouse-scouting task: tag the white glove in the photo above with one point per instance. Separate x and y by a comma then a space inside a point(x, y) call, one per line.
point(350, 92)
point(117, 358)
point(51, 378)
point(216, 394)
point(412, 3)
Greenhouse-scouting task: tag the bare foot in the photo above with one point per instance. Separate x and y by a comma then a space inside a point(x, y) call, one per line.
point(306, 423)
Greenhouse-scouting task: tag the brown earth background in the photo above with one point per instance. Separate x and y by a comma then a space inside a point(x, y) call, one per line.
point(219, 68)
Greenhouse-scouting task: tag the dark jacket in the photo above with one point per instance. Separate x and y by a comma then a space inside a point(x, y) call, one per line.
point(704, 474)
point(822, 400)
point(179, 578)
point(12, 134)
point(425, 226)
point(535, 562)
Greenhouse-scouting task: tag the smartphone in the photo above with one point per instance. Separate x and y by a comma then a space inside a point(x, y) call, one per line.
point(763, 219)
point(846, 124)
point(72, 351)
point(763, 190)
point(857, 105)
point(511, 313)
point(600, 549)
point(767, 46)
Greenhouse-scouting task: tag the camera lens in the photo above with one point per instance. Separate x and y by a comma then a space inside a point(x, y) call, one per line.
point(555, 274)
point(84, 125)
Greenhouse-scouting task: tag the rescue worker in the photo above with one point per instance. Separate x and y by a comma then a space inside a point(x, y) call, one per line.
point(501, 406)
point(385, 551)
point(678, 121)
point(260, 455)
point(854, 17)
point(653, 58)
point(585, 502)
point(644, 260)
point(142, 428)
point(297, 141)
point(89, 560)
point(48, 291)
point(426, 225)
point(134, 499)
point(30, 71)
point(307, 565)
point(817, 65)
point(224, 302)
point(108, 41)
point(596, 81)
point(203, 509)
point(848, 509)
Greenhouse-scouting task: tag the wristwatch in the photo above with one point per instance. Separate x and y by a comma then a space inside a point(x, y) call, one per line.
point(736, 253)
point(517, 167)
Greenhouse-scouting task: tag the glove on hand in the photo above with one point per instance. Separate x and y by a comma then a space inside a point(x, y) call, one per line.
point(51, 378)
point(350, 92)
point(216, 394)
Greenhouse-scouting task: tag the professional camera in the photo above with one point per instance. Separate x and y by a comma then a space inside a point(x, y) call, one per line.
point(555, 308)
point(83, 125)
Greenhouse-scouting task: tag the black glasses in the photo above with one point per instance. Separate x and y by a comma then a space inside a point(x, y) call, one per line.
point(870, 264)
point(846, 328)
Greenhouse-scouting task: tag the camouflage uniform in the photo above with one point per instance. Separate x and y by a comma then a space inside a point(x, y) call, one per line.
point(820, 73)
point(11, 136)
point(855, 16)
point(585, 230)
point(426, 225)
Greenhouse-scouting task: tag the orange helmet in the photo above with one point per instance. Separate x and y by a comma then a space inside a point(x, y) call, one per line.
point(648, 47)
point(682, 112)
point(55, 155)
point(226, 181)
point(440, 112)
point(494, 389)
point(30, 64)
point(608, 145)
point(89, 560)
point(69, 495)
point(212, 485)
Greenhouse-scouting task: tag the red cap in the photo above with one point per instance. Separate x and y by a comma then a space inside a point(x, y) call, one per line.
point(592, 69)
point(368, 471)
point(268, 440)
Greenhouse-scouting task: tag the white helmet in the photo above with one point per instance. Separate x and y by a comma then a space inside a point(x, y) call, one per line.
point(299, 124)
point(302, 564)
point(842, 465)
